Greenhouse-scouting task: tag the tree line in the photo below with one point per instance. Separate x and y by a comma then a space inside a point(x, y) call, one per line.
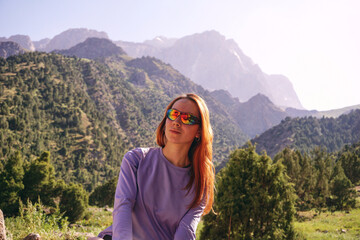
point(21, 182)
point(257, 197)
point(305, 132)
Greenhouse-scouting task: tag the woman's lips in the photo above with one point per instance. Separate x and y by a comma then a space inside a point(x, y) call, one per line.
point(174, 131)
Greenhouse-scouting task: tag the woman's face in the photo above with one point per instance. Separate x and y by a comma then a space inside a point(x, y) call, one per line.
point(177, 132)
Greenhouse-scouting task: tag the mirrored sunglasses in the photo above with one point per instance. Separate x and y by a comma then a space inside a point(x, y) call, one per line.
point(186, 118)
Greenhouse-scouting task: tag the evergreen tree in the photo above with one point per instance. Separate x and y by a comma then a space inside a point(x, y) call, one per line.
point(350, 161)
point(74, 202)
point(11, 183)
point(254, 200)
point(4, 109)
point(323, 166)
point(343, 193)
point(39, 181)
point(104, 194)
point(300, 170)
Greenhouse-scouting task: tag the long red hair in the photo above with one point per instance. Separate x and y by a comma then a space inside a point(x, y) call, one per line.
point(200, 154)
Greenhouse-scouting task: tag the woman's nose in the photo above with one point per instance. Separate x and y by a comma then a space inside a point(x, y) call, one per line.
point(177, 121)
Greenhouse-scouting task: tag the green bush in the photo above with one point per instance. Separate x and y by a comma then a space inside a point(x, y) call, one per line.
point(74, 202)
point(104, 195)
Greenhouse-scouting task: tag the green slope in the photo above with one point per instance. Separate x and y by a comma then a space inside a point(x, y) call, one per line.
point(307, 132)
point(89, 113)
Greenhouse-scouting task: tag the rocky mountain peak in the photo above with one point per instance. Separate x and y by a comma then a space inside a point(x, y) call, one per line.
point(214, 62)
point(209, 35)
point(209, 40)
point(8, 49)
point(71, 37)
point(23, 40)
point(161, 42)
point(93, 48)
point(260, 99)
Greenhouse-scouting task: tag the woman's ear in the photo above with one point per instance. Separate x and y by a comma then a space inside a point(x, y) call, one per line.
point(198, 133)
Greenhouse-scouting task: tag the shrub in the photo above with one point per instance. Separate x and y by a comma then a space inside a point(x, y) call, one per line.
point(74, 202)
point(104, 194)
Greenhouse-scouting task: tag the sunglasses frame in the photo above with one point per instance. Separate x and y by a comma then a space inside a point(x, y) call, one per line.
point(193, 120)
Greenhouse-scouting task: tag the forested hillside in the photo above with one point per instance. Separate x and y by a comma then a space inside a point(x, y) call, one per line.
point(47, 104)
point(305, 133)
point(89, 113)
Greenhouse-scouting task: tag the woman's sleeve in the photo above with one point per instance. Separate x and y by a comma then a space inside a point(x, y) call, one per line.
point(188, 224)
point(125, 195)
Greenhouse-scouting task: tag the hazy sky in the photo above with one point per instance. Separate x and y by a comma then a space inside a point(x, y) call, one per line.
point(315, 43)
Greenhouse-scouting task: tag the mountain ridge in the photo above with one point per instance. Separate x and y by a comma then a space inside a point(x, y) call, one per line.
point(72, 37)
point(220, 59)
point(93, 48)
point(303, 133)
point(262, 120)
point(215, 62)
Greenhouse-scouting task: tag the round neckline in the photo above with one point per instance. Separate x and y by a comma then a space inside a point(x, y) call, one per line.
point(186, 168)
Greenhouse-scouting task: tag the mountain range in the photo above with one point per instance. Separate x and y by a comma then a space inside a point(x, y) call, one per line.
point(215, 62)
point(208, 59)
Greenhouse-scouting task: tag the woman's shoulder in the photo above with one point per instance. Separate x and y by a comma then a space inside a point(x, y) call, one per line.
point(137, 154)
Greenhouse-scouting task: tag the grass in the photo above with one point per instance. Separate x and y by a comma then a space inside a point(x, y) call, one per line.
point(97, 220)
point(329, 225)
point(326, 226)
point(33, 219)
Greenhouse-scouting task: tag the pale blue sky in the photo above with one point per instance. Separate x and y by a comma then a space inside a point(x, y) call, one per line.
point(315, 43)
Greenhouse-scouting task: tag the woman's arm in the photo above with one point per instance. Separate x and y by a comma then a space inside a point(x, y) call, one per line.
point(125, 196)
point(188, 224)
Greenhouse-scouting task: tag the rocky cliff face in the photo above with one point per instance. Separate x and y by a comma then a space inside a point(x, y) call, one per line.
point(281, 91)
point(23, 40)
point(8, 49)
point(258, 114)
point(215, 62)
point(41, 44)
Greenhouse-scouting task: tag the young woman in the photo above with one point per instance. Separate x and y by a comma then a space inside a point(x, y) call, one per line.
point(163, 192)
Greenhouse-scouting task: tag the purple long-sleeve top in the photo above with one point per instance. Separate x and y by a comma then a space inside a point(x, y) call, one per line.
point(151, 201)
